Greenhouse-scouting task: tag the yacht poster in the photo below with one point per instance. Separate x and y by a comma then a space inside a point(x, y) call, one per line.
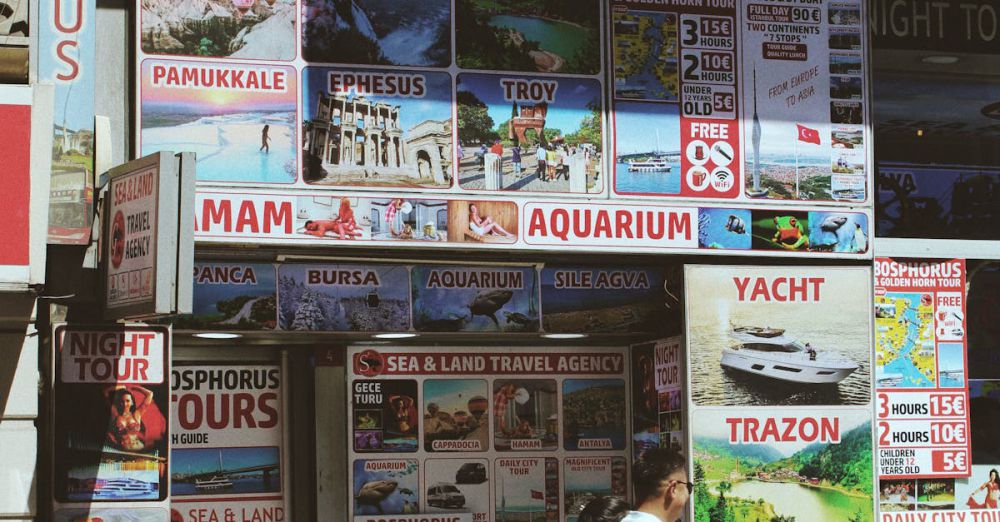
point(804, 111)
point(492, 432)
point(343, 298)
point(796, 463)
point(232, 296)
point(238, 118)
point(475, 299)
point(920, 368)
point(111, 422)
point(675, 99)
point(227, 445)
point(376, 128)
point(779, 336)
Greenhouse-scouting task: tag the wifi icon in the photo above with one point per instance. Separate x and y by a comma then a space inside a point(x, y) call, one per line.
point(722, 179)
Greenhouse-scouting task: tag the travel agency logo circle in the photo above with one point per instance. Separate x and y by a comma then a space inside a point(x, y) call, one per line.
point(368, 363)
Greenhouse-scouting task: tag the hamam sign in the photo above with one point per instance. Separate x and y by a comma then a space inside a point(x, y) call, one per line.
point(111, 419)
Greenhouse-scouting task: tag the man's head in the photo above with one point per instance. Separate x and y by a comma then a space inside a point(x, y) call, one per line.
point(661, 483)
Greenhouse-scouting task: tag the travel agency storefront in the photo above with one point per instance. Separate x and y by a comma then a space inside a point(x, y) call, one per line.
point(466, 260)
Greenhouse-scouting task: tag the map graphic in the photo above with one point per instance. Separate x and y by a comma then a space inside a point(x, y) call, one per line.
point(904, 341)
point(646, 56)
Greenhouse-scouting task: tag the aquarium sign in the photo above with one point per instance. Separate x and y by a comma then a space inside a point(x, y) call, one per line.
point(922, 396)
point(227, 442)
point(582, 224)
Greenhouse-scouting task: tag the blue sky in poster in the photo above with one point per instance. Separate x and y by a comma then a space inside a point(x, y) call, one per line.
point(647, 127)
point(208, 293)
point(203, 460)
point(435, 105)
point(571, 98)
point(74, 99)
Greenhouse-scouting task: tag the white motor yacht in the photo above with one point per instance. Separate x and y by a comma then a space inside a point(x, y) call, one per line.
point(654, 164)
point(770, 353)
point(216, 482)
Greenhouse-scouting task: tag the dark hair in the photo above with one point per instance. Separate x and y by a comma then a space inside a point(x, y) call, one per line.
point(604, 509)
point(652, 469)
point(994, 473)
point(120, 395)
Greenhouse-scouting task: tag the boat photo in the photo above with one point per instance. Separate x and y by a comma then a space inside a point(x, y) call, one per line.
point(768, 352)
point(122, 488)
point(215, 483)
point(653, 164)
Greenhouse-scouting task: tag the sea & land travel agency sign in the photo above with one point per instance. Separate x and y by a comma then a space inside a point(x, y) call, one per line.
point(143, 232)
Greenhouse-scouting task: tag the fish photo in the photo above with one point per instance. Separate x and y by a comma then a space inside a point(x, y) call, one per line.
point(386, 487)
point(460, 299)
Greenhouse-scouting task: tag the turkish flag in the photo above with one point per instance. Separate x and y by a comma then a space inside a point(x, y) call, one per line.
point(537, 494)
point(808, 135)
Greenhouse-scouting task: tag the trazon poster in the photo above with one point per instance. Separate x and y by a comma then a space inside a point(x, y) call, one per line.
point(227, 443)
point(493, 442)
point(800, 464)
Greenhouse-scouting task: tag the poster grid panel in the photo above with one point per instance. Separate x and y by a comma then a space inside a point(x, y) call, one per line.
point(513, 434)
point(781, 392)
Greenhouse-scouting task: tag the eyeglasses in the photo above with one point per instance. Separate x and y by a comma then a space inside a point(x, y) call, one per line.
point(690, 485)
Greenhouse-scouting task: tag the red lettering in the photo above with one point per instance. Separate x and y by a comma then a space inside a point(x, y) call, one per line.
point(216, 215)
point(189, 411)
point(74, 65)
point(58, 17)
point(218, 415)
point(243, 410)
point(536, 225)
point(248, 216)
point(741, 286)
point(623, 220)
point(680, 224)
point(265, 407)
point(273, 215)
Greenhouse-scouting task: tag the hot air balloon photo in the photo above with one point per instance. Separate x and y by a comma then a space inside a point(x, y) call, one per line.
point(248, 29)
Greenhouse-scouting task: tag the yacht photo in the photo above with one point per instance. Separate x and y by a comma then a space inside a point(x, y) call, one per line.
point(768, 352)
point(122, 488)
point(214, 483)
point(653, 164)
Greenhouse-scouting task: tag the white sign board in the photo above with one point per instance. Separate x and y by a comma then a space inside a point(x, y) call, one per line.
point(142, 238)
